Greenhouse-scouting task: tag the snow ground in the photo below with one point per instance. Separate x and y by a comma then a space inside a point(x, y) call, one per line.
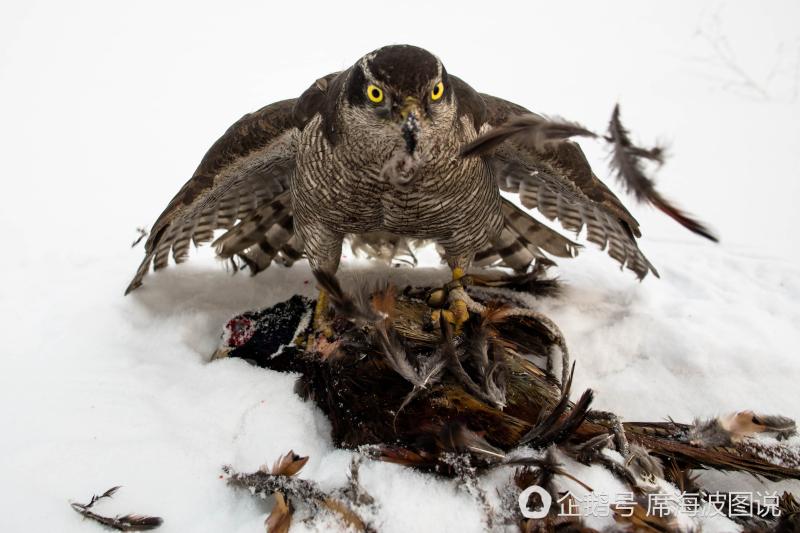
point(106, 108)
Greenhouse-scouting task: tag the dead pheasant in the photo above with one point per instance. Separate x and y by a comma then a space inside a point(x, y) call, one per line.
point(422, 394)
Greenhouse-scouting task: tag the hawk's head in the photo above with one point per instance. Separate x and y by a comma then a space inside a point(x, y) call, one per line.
point(400, 85)
point(396, 106)
point(397, 99)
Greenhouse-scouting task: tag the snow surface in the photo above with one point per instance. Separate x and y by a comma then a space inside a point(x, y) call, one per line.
point(107, 107)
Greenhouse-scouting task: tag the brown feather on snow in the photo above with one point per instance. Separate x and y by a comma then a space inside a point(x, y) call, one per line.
point(288, 465)
point(729, 429)
point(128, 522)
point(280, 518)
point(284, 486)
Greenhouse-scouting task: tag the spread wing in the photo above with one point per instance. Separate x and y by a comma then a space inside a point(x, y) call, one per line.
point(244, 176)
point(558, 181)
point(552, 183)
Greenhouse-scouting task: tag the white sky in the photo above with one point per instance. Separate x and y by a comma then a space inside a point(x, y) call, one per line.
point(108, 106)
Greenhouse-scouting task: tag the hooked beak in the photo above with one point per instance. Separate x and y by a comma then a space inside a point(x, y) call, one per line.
point(410, 112)
point(410, 105)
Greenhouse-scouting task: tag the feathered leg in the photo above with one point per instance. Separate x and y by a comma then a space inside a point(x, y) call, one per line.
point(324, 250)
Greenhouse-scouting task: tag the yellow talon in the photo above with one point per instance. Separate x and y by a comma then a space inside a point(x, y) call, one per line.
point(437, 298)
point(448, 315)
point(460, 313)
point(456, 315)
point(320, 309)
point(319, 323)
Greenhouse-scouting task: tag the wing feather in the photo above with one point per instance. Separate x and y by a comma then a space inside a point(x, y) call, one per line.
point(247, 167)
point(537, 234)
point(557, 180)
point(558, 199)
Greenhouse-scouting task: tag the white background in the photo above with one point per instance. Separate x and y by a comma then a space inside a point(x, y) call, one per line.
point(107, 107)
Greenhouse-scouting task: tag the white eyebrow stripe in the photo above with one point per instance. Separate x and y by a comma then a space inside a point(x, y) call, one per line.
point(365, 66)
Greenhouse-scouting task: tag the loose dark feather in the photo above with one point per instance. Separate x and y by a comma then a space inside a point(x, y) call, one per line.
point(784, 427)
point(626, 161)
point(343, 303)
point(457, 437)
point(492, 396)
point(533, 130)
point(591, 452)
point(128, 522)
point(395, 353)
point(142, 234)
point(554, 428)
point(430, 372)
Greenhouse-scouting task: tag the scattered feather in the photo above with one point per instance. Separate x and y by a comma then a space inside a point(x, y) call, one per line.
point(556, 427)
point(280, 518)
point(458, 438)
point(142, 234)
point(732, 428)
point(532, 130)
point(289, 464)
point(345, 305)
point(643, 465)
point(626, 161)
point(128, 522)
point(281, 482)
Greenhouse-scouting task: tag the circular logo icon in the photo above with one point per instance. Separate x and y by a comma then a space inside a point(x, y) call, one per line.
point(525, 496)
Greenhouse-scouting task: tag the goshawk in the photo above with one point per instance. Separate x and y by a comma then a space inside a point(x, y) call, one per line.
point(376, 153)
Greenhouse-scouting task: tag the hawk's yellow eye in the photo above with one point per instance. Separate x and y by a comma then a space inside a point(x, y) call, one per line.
point(437, 91)
point(375, 94)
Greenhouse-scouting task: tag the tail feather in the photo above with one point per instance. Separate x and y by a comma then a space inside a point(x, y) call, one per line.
point(523, 241)
point(272, 245)
point(257, 258)
point(290, 252)
point(536, 233)
point(487, 256)
point(266, 235)
point(513, 250)
point(385, 247)
point(252, 229)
